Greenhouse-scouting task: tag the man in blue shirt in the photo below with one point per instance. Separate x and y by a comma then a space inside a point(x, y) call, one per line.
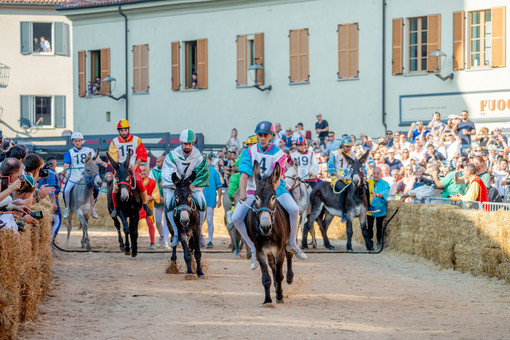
point(379, 192)
point(417, 129)
point(464, 128)
point(52, 181)
point(210, 199)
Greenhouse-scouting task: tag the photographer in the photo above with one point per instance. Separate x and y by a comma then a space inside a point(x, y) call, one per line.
point(422, 187)
point(33, 164)
point(447, 183)
point(51, 181)
point(476, 190)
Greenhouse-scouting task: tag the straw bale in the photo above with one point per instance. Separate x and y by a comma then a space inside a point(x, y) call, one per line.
point(103, 222)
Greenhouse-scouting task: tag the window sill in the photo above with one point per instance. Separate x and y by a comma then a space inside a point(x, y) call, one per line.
point(347, 79)
point(139, 93)
point(300, 83)
point(94, 96)
point(191, 90)
point(488, 68)
point(246, 86)
point(43, 53)
point(45, 127)
point(416, 74)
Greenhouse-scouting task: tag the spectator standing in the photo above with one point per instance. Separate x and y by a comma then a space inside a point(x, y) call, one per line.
point(436, 124)
point(386, 175)
point(299, 132)
point(476, 190)
point(483, 137)
point(332, 144)
point(153, 196)
point(464, 128)
point(233, 141)
point(321, 127)
point(288, 138)
point(389, 138)
point(416, 130)
point(210, 199)
point(278, 133)
point(159, 207)
point(379, 193)
point(392, 162)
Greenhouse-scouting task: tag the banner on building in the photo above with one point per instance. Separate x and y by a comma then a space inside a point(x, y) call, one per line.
point(483, 106)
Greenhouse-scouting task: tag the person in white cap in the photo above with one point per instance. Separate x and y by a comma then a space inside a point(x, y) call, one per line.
point(183, 160)
point(74, 161)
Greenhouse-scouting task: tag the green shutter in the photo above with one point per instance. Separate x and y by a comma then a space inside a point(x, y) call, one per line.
point(60, 111)
point(61, 38)
point(26, 37)
point(26, 104)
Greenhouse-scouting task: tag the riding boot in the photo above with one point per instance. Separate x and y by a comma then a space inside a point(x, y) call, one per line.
point(94, 213)
point(146, 207)
point(113, 214)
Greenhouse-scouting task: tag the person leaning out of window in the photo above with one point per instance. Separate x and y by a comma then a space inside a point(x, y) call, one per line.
point(477, 191)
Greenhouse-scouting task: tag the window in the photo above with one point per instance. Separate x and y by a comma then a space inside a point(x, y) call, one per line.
point(99, 69)
point(480, 38)
point(250, 51)
point(299, 61)
point(195, 65)
point(42, 111)
point(418, 44)
point(141, 68)
point(348, 66)
point(44, 38)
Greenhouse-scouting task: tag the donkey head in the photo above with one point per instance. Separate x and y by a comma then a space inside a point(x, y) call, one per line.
point(123, 176)
point(183, 198)
point(91, 171)
point(358, 172)
point(265, 197)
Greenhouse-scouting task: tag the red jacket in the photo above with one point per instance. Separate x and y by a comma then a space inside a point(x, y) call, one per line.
point(483, 196)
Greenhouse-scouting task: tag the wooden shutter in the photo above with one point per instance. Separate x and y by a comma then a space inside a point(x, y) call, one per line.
point(299, 56)
point(353, 50)
point(26, 37)
point(343, 55)
point(26, 108)
point(144, 68)
point(433, 41)
point(259, 56)
point(137, 82)
point(105, 70)
point(176, 67)
point(397, 41)
point(202, 63)
point(60, 111)
point(241, 60)
point(61, 38)
point(82, 80)
point(458, 40)
point(498, 37)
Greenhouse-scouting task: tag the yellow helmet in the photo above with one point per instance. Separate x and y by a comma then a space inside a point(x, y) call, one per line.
point(123, 124)
point(251, 140)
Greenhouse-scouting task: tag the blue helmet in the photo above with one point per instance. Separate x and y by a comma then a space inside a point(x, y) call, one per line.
point(347, 141)
point(265, 127)
point(300, 141)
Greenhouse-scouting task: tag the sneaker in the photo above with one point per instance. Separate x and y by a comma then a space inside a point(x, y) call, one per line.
point(298, 252)
point(160, 241)
point(236, 254)
point(94, 214)
point(147, 209)
point(209, 245)
point(175, 241)
point(165, 245)
point(67, 211)
point(114, 213)
point(202, 241)
point(230, 226)
point(254, 262)
point(152, 246)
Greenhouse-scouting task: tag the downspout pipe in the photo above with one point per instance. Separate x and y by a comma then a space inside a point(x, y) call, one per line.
point(383, 66)
point(126, 58)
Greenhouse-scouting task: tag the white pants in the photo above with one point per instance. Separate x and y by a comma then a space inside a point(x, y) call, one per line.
point(210, 223)
point(287, 202)
point(199, 198)
point(161, 224)
point(71, 181)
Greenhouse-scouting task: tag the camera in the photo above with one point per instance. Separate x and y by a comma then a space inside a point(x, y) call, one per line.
point(507, 181)
point(43, 173)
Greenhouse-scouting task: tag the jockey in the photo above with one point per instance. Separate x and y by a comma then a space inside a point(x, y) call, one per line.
point(120, 147)
point(306, 162)
point(267, 154)
point(338, 167)
point(183, 160)
point(74, 162)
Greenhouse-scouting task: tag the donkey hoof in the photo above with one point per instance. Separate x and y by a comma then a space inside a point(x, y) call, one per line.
point(134, 253)
point(88, 247)
point(268, 302)
point(290, 279)
point(330, 247)
point(83, 245)
point(127, 252)
point(121, 248)
point(304, 246)
point(349, 249)
point(278, 301)
point(200, 276)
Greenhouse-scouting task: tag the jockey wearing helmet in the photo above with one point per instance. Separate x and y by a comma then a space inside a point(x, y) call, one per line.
point(74, 162)
point(183, 160)
point(120, 148)
point(338, 167)
point(305, 161)
point(267, 155)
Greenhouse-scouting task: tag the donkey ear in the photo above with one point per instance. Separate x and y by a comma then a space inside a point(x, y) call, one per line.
point(276, 174)
point(112, 162)
point(256, 172)
point(192, 177)
point(348, 159)
point(97, 153)
point(88, 158)
point(364, 158)
point(128, 158)
point(175, 179)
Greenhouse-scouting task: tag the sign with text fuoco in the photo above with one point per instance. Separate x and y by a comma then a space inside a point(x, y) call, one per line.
point(482, 106)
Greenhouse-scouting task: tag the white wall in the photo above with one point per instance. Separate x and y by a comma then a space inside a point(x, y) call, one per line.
point(44, 75)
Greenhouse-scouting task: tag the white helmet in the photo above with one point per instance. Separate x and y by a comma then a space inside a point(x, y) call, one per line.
point(187, 136)
point(76, 135)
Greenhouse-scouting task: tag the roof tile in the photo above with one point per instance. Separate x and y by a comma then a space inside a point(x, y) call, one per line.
point(91, 3)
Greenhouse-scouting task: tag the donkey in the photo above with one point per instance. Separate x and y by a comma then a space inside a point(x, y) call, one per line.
point(187, 219)
point(300, 191)
point(82, 198)
point(109, 191)
point(268, 227)
point(355, 204)
point(129, 204)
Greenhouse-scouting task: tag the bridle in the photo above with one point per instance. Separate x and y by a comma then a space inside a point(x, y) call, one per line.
point(259, 210)
point(89, 181)
point(297, 181)
point(185, 207)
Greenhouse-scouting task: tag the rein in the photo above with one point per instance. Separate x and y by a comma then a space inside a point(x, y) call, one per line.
point(257, 211)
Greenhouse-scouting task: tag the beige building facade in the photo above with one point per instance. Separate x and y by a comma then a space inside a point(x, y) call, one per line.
point(36, 90)
point(365, 65)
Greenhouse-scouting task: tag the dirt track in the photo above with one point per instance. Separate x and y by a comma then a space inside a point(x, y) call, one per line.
point(112, 296)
